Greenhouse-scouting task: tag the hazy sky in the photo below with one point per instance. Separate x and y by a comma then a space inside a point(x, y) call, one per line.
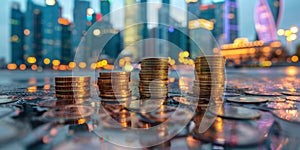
point(290, 17)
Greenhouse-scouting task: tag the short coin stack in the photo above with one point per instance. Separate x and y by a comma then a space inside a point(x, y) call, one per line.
point(72, 89)
point(154, 78)
point(114, 85)
point(210, 78)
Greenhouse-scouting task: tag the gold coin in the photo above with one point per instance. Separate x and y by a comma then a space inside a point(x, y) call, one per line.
point(213, 64)
point(62, 85)
point(153, 90)
point(155, 59)
point(72, 88)
point(154, 68)
point(153, 74)
point(117, 92)
point(152, 84)
point(161, 85)
point(114, 73)
point(115, 77)
point(154, 63)
point(113, 88)
point(72, 92)
point(156, 71)
point(112, 80)
point(72, 78)
point(115, 96)
point(209, 69)
point(153, 96)
point(115, 99)
point(154, 77)
point(210, 82)
point(72, 96)
point(112, 85)
point(102, 88)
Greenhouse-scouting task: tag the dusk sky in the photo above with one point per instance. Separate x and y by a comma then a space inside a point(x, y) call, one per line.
point(290, 17)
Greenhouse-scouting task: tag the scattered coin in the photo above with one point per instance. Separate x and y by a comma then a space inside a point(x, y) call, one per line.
point(247, 99)
point(235, 112)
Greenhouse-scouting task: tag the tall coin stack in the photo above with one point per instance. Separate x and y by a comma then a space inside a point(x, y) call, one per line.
point(210, 78)
point(114, 86)
point(154, 78)
point(72, 89)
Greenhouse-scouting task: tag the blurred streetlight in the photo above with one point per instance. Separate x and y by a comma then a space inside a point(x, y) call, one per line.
point(290, 35)
point(280, 32)
point(294, 29)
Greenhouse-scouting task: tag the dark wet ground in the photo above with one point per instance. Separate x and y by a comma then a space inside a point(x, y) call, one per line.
point(276, 127)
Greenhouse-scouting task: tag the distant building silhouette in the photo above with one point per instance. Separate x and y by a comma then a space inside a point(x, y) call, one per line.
point(17, 34)
point(224, 15)
point(80, 26)
point(217, 16)
point(33, 24)
point(105, 9)
point(267, 16)
point(133, 30)
point(66, 41)
point(51, 31)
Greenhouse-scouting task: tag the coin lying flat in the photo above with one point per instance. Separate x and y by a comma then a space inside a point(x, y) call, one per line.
point(291, 93)
point(247, 99)
point(235, 112)
point(7, 99)
point(72, 78)
point(293, 98)
point(262, 93)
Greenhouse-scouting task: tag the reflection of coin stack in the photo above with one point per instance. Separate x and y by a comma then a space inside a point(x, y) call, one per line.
point(114, 85)
point(210, 78)
point(154, 78)
point(71, 88)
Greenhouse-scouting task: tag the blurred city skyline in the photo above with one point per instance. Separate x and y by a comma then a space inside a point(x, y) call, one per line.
point(246, 24)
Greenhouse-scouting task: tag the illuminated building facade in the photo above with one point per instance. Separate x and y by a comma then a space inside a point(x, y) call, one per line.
point(267, 16)
point(33, 26)
point(242, 52)
point(66, 41)
point(51, 31)
point(217, 16)
point(17, 34)
point(224, 15)
point(164, 20)
point(105, 9)
point(80, 15)
point(133, 32)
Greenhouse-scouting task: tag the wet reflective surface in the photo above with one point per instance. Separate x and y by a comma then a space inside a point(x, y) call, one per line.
point(30, 118)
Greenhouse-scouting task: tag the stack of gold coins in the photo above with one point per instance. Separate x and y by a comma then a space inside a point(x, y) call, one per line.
point(210, 78)
point(114, 85)
point(154, 78)
point(72, 89)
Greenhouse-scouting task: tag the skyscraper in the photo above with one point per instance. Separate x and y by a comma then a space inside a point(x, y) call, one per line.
point(133, 30)
point(33, 28)
point(51, 31)
point(17, 34)
point(267, 16)
point(224, 15)
point(80, 15)
point(66, 41)
point(105, 9)
point(164, 21)
point(230, 20)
